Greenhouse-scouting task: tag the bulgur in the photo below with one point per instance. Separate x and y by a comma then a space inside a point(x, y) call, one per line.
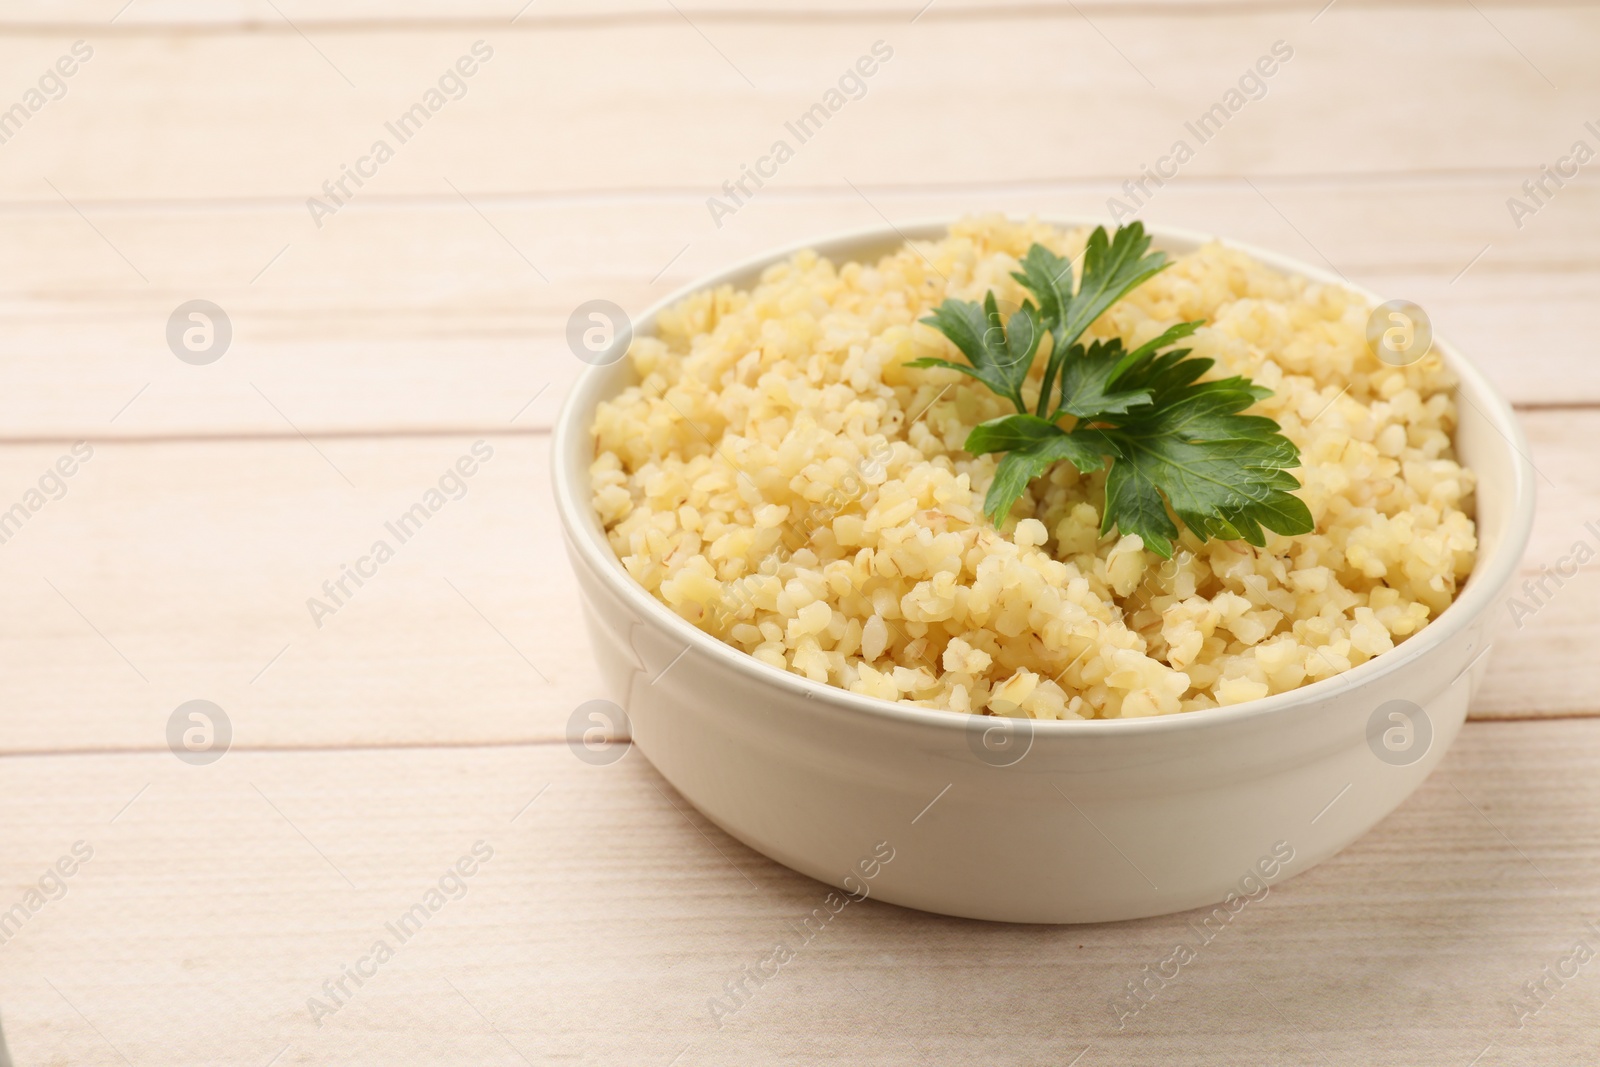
point(782, 480)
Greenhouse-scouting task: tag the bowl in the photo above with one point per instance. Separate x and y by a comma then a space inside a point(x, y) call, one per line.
point(1050, 821)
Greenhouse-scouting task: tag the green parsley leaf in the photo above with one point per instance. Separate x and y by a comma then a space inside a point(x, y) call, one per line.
point(1178, 447)
point(1087, 383)
point(1111, 269)
point(1086, 380)
point(1022, 465)
point(1000, 352)
point(1222, 488)
point(1223, 474)
point(1008, 432)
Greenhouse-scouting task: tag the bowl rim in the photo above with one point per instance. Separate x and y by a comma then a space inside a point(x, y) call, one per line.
point(574, 505)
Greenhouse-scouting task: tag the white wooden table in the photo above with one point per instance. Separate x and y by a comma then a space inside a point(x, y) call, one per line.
point(369, 754)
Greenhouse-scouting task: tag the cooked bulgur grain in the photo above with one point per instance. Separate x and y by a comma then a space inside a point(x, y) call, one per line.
point(782, 480)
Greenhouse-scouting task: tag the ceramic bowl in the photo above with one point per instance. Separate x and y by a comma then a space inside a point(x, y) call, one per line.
point(1024, 821)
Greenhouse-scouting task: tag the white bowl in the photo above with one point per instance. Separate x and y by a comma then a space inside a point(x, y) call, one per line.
point(1097, 820)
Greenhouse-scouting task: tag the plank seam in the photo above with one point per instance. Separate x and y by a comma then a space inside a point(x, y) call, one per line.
point(543, 742)
point(695, 194)
point(373, 746)
point(487, 429)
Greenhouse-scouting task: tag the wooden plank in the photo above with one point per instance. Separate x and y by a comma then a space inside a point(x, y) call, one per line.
point(169, 573)
point(258, 16)
point(181, 571)
point(1543, 661)
point(425, 316)
point(254, 114)
point(221, 898)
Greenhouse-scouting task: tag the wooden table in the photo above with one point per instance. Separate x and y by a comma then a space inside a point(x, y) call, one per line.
point(376, 338)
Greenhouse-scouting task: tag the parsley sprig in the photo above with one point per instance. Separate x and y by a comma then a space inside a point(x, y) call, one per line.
point(1177, 446)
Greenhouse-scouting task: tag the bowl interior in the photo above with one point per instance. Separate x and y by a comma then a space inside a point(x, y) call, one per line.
point(1488, 440)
